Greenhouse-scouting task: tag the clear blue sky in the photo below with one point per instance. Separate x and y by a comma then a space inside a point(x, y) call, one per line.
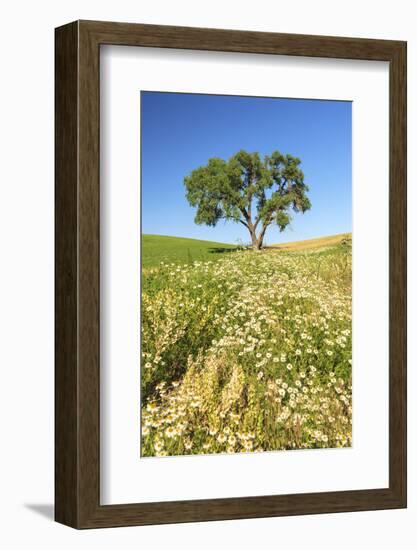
point(180, 132)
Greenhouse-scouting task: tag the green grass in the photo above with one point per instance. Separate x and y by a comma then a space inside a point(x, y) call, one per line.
point(248, 353)
point(178, 250)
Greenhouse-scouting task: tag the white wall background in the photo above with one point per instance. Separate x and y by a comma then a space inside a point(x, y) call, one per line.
point(26, 271)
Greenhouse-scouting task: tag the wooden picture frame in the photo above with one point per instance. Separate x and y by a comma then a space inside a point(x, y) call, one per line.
point(77, 374)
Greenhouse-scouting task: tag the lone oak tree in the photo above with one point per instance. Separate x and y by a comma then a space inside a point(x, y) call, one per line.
point(246, 189)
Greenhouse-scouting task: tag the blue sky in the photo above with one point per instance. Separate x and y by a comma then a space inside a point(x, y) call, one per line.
point(180, 132)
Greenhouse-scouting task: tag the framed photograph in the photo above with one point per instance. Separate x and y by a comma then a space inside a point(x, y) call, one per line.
point(230, 274)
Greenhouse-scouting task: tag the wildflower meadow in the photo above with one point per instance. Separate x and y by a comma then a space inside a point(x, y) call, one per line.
point(247, 352)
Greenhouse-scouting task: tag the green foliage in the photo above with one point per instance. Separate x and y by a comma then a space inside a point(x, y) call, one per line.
point(247, 189)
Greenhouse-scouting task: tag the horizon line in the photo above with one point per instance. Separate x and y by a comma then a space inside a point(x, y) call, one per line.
point(231, 244)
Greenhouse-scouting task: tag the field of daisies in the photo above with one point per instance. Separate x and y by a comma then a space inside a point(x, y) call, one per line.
point(251, 352)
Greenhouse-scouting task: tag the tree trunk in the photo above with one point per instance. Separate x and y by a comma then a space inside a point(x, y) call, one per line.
point(260, 242)
point(256, 243)
point(262, 235)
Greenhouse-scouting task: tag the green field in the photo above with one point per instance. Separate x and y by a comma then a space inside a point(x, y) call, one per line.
point(179, 250)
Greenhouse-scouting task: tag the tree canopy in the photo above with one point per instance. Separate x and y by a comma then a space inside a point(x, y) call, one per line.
point(249, 190)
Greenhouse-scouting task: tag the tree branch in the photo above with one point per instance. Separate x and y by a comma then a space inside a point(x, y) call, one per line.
point(246, 215)
point(256, 223)
point(250, 209)
point(265, 226)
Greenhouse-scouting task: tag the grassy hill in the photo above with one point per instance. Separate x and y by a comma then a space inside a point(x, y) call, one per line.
point(320, 242)
point(158, 248)
point(181, 250)
point(246, 336)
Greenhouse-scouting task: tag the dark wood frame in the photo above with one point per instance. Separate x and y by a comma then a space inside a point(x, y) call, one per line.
point(77, 471)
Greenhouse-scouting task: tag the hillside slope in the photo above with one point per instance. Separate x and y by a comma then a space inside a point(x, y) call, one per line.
point(161, 248)
point(320, 242)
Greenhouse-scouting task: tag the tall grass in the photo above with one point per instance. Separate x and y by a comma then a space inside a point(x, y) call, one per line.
point(248, 353)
